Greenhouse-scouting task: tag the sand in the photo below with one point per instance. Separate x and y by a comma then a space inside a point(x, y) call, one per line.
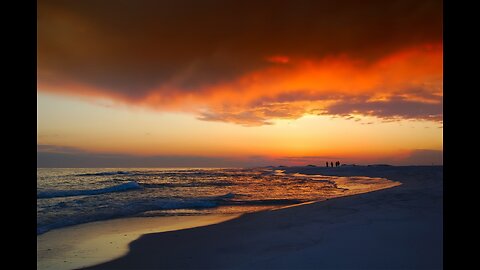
point(96, 242)
point(395, 228)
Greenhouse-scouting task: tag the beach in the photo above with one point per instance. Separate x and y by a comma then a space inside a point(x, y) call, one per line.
point(293, 134)
point(92, 243)
point(396, 228)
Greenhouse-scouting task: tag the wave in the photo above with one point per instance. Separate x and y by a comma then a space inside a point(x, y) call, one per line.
point(135, 208)
point(187, 184)
point(69, 193)
point(131, 209)
point(152, 173)
point(168, 204)
point(191, 203)
point(229, 195)
point(103, 173)
point(233, 199)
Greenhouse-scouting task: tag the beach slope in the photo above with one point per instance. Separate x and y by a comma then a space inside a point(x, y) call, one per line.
point(395, 228)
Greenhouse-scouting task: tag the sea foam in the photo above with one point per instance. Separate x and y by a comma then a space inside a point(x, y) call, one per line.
point(82, 192)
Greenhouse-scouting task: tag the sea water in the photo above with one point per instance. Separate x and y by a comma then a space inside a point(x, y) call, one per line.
point(73, 196)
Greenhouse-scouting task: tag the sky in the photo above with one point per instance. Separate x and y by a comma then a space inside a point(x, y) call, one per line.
point(189, 83)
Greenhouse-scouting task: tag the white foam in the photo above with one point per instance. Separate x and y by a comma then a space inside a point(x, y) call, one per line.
point(82, 192)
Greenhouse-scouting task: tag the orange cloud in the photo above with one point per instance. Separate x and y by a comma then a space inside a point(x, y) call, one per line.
point(404, 84)
point(245, 62)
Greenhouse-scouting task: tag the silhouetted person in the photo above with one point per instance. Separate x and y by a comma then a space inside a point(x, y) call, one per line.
point(331, 164)
point(327, 164)
point(337, 163)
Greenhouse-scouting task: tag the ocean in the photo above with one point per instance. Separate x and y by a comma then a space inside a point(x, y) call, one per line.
point(70, 196)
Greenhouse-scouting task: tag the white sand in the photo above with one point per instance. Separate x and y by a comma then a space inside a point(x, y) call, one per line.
point(396, 228)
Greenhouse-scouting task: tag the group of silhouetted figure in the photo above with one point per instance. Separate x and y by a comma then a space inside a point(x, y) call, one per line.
point(337, 163)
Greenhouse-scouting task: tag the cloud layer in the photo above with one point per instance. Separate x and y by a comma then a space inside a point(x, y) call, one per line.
point(247, 62)
point(52, 156)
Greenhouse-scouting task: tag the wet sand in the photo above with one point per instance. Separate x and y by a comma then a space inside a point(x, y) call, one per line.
point(96, 242)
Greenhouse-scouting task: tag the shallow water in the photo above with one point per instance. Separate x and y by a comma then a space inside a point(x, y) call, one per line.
point(92, 243)
point(75, 196)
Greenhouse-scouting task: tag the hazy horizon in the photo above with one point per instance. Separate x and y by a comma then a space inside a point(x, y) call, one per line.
point(50, 157)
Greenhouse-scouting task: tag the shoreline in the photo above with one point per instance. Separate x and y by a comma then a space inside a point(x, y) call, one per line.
point(91, 243)
point(399, 227)
point(96, 242)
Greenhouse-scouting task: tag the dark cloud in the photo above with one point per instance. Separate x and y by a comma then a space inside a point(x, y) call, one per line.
point(254, 115)
point(130, 47)
point(309, 159)
point(294, 106)
point(53, 156)
point(246, 118)
point(424, 157)
point(46, 148)
point(83, 160)
point(395, 107)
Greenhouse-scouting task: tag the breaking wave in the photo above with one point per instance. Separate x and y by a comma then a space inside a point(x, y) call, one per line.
point(67, 193)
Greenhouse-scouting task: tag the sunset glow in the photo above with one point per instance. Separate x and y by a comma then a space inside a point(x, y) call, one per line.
point(239, 91)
